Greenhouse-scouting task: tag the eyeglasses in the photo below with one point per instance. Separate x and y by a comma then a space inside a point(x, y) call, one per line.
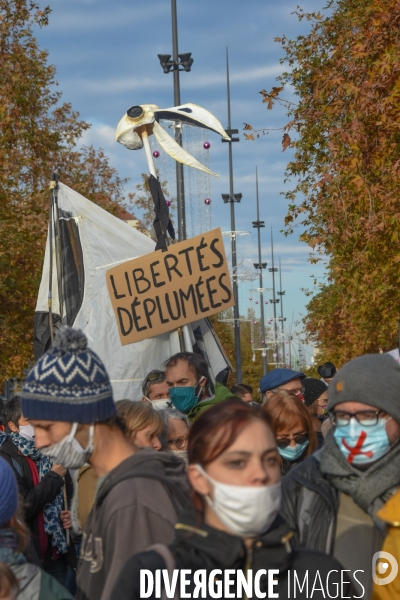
point(366, 418)
point(179, 442)
point(152, 376)
point(285, 442)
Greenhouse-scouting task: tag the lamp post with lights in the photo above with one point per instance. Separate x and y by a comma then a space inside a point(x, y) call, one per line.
point(179, 62)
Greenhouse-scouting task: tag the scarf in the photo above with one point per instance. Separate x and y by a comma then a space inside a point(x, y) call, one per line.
point(3, 437)
point(8, 548)
point(51, 510)
point(369, 488)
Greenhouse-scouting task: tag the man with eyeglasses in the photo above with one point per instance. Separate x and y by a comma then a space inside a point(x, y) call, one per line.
point(282, 379)
point(331, 499)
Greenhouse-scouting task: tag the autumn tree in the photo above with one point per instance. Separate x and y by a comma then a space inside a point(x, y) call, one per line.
point(38, 134)
point(344, 128)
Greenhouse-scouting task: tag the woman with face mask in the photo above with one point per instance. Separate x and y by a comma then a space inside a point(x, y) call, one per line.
point(175, 433)
point(40, 484)
point(234, 472)
point(144, 424)
point(316, 400)
point(291, 422)
point(28, 580)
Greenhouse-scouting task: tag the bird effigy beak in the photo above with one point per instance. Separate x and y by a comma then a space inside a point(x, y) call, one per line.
point(192, 114)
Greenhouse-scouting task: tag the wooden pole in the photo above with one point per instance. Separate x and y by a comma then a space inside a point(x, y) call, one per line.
point(67, 534)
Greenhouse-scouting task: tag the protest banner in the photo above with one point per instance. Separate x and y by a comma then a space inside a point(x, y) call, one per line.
point(161, 291)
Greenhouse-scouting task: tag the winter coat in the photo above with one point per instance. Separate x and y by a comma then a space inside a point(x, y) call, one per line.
point(390, 513)
point(136, 505)
point(310, 505)
point(199, 546)
point(35, 496)
point(35, 584)
point(221, 393)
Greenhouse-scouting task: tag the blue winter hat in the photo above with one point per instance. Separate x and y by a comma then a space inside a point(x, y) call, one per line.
point(277, 377)
point(68, 383)
point(8, 492)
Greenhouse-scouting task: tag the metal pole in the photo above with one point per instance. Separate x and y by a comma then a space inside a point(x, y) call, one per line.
point(398, 329)
point(263, 353)
point(50, 295)
point(180, 186)
point(274, 299)
point(238, 351)
point(281, 294)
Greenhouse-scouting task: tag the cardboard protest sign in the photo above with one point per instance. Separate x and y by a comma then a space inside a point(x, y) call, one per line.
point(161, 291)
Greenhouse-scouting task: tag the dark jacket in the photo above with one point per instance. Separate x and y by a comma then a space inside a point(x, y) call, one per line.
point(289, 465)
point(35, 496)
point(310, 505)
point(136, 506)
point(198, 546)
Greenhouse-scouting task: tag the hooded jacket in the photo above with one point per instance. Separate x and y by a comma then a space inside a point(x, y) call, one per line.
point(136, 505)
point(221, 393)
point(199, 546)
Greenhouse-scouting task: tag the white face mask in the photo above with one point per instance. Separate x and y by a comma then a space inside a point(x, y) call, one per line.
point(161, 404)
point(245, 511)
point(68, 452)
point(27, 431)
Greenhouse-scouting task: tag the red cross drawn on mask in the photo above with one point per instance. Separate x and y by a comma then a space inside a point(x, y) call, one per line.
point(356, 450)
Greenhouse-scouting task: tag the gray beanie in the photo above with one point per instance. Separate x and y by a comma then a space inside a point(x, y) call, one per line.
point(372, 379)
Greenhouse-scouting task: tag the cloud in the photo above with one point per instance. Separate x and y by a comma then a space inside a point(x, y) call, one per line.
point(88, 17)
point(126, 83)
point(99, 135)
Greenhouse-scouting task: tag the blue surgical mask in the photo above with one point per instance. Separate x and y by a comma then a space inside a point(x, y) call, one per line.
point(293, 452)
point(361, 445)
point(185, 398)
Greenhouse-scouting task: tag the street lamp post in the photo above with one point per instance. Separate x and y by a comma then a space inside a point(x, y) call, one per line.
point(260, 266)
point(281, 294)
point(232, 198)
point(274, 300)
point(185, 61)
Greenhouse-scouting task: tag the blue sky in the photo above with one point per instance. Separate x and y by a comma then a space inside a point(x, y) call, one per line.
point(106, 58)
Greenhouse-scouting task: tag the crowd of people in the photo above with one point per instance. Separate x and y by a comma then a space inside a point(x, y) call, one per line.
point(300, 487)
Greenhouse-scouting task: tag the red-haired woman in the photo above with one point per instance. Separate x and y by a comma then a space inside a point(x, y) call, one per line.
point(234, 471)
point(293, 428)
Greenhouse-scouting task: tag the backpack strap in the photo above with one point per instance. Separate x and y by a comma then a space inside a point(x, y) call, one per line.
point(170, 563)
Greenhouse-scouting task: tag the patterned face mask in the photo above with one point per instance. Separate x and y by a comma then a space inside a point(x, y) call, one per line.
point(362, 444)
point(185, 398)
point(68, 452)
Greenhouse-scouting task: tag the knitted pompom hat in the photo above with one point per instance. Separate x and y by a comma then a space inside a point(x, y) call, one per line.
point(8, 492)
point(68, 383)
